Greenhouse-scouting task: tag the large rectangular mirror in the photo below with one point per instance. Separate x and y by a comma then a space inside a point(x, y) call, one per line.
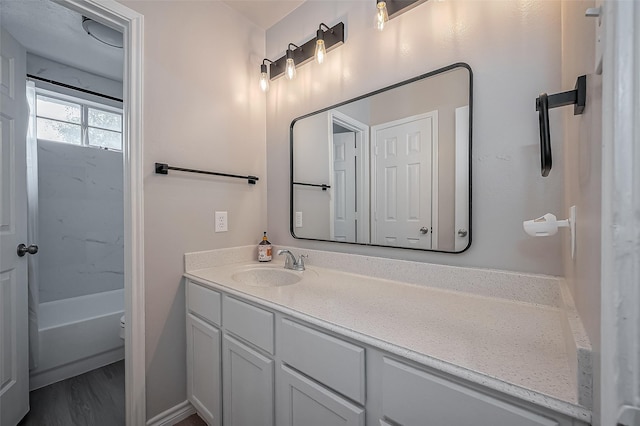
point(390, 168)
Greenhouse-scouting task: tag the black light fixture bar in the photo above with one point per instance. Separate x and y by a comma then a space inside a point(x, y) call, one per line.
point(163, 169)
point(303, 54)
point(397, 7)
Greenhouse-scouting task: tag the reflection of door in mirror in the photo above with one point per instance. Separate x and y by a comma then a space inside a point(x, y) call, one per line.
point(348, 142)
point(404, 179)
point(343, 187)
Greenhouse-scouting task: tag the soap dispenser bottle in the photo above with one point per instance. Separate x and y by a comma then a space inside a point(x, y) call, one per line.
point(264, 249)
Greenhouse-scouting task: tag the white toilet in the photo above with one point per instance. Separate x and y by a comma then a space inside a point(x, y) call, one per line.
point(122, 327)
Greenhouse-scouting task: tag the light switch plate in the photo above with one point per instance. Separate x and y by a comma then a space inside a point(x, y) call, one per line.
point(298, 219)
point(221, 222)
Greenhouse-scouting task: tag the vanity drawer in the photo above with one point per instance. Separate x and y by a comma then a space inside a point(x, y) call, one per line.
point(409, 396)
point(331, 361)
point(203, 302)
point(249, 322)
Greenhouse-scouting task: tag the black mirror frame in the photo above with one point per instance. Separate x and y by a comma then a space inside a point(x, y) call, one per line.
point(375, 92)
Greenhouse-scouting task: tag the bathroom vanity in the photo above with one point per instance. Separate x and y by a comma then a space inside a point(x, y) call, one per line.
point(327, 346)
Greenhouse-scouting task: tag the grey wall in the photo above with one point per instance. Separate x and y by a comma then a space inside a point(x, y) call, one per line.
point(513, 61)
point(80, 221)
point(203, 109)
point(52, 70)
point(582, 145)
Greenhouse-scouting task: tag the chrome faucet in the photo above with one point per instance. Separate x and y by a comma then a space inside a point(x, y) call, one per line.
point(290, 261)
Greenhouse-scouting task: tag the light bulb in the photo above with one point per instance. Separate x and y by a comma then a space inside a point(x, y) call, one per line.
point(264, 77)
point(290, 69)
point(321, 52)
point(264, 82)
point(382, 17)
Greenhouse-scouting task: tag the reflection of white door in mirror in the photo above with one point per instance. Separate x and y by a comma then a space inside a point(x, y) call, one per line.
point(343, 187)
point(405, 151)
point(349, 148)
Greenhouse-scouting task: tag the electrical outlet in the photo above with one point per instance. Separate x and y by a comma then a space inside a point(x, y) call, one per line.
point(221, 222)
point(298, 219)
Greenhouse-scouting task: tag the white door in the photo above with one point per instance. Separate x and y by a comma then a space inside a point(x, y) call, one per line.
point(344, 186)
point(14, 355)
point(402, 184)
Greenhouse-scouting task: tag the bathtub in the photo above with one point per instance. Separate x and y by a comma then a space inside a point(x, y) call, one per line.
point(78, 335)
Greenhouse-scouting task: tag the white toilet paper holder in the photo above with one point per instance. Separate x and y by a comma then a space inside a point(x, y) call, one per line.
point(548, 224)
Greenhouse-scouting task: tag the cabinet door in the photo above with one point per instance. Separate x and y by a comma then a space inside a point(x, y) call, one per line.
point(304, 402)
point(203, 369)
point(248, 385)
point(413, 397)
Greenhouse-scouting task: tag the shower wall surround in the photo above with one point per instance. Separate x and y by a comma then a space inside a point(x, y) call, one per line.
point(511, 60)
point(81, 226)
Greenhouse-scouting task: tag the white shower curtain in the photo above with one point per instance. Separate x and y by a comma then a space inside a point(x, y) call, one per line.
point(32, 227)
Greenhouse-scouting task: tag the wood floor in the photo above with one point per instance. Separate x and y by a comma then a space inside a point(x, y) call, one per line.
point(95, 398)
point(192, 420)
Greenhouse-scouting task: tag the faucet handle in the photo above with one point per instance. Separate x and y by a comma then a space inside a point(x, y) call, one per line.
point(300, 261)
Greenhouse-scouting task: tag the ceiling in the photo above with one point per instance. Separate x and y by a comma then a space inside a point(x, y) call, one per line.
point(54, 32)
point(264, 13)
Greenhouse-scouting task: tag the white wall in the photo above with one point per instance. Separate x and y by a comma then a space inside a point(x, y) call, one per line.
point(514, 49)
point(582, 145)
point(202, 109)
point(80, 221)
point(52, 70)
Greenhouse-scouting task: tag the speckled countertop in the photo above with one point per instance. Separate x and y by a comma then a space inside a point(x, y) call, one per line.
point(511, 346)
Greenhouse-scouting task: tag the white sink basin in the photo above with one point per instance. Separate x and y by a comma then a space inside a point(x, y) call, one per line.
point(266, 277)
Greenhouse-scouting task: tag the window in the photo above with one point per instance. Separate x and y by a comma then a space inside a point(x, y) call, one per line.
point(78, 122)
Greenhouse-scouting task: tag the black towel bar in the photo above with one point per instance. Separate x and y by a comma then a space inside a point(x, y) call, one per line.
point(544, 102)
point(163, 169)
point(321, 185)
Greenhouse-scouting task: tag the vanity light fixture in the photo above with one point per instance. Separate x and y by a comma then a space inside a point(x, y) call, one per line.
point(264, 77)
point(389, 9)
point(317, 48)
point(290, 65)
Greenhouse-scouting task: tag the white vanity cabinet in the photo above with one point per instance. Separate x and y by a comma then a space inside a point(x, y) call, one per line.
point(247, 364)
point(317, 371)
point(276, 369)
point(415, 397)
point(306, 402)
point(203, 352)
point(248, 385)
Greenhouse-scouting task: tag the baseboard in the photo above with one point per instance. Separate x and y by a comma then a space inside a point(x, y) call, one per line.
point(173, 415)
point(39, 379)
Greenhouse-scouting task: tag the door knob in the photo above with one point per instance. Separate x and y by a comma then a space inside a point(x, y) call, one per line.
point(424, 230)
point(462, 232)
point(23, 249)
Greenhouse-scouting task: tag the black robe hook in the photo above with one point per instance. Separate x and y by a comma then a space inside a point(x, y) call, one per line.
point(544, 102)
